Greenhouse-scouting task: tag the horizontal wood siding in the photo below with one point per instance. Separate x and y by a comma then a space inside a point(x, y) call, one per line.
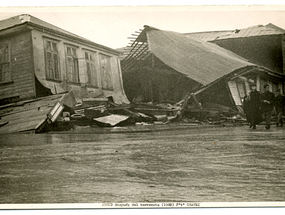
point(263, 50)
point(82, 89)
point(21, 62)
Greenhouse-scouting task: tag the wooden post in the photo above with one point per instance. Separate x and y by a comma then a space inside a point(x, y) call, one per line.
point(258, 83)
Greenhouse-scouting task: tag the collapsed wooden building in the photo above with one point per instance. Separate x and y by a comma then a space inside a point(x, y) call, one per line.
point(263, 45)
point(44, 70)
point(40, 63)
point(165, 66)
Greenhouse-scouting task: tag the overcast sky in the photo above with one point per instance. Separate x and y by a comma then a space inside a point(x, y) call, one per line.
point(110, 26)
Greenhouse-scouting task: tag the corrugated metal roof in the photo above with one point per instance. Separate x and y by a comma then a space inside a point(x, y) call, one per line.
point(258, 30)
point(201, 61)
point(26, 18)
point(208, 36)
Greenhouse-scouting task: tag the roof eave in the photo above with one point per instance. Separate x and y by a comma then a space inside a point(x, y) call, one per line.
point(227, 77)
point(242, 37)
point(29, 26)
point(14, 29)
point(74, 38)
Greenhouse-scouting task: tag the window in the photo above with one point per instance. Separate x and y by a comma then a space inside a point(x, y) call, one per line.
point(241, 88)
point(262, 83)
point(91, 69)
point(274, 87)
point(105, 64)
point(72, 65)
point(52, 60)
point(5, 72)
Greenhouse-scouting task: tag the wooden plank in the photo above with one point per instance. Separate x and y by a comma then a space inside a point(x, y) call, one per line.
point(111, 120)
point(234, 92)
point(23, 77)
point(28, 115)
point(125, 109)
point(135, 55)
point(23, 121)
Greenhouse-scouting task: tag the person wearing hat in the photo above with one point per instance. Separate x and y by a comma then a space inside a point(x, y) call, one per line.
point(252, 107)
point(279, 107)
point(267, 99)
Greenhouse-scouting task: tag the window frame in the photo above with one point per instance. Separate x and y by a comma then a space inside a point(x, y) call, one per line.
point(73, 76)
point(53, 53)
point(92, 78)
point(104, 74)
point(238, 81)
point(8, 79)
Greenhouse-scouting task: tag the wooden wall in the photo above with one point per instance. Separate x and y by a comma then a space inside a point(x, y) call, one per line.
point(262, 50)
point(21, 61)
point(80, 89)
point(218, 93)
point(153, 81)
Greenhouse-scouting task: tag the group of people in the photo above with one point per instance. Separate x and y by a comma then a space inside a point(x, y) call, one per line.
point(259, 107)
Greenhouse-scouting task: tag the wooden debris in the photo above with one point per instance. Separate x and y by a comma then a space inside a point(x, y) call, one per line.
point(94, 112)
point(2, 123)
point(111, 120)
point(28, 115)
point(61, 112)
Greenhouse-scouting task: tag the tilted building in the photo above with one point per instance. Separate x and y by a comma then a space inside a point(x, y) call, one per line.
point(164, 66)
point(39, 59)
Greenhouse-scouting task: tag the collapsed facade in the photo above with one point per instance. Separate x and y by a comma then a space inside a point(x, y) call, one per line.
point(38, 59)
point(165, 66)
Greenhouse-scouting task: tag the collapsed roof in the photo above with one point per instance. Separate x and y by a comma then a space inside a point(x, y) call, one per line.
point(201, 61)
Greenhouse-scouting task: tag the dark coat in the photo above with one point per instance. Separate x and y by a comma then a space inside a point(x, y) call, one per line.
point(279, 103)
point(254, 99)
point(251, 107)
point(268, 96)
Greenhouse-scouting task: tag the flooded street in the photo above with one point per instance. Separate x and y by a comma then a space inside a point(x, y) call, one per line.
point(195, 165)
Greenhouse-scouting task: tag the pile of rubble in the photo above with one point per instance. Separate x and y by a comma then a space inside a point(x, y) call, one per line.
point(103, 112)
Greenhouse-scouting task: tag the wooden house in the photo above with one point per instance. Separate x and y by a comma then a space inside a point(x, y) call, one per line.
point(263, 45)
point(164, 66)
point(39, 59)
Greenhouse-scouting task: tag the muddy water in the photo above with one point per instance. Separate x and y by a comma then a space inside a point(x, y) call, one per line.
point(204, 165)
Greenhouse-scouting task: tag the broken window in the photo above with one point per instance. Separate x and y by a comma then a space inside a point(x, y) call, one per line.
point(105, 64)
point(91, 69)
point(5, 71)
point(241, 88)
point(72, 64)
point(52, 60)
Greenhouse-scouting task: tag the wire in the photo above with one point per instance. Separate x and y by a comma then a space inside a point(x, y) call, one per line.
point(59, 20)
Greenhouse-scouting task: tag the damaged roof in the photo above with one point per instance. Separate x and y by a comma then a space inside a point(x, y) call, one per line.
point(258, 30)
point(253, 31)
point(33, 21)
point(208, 35)
point(201, 61)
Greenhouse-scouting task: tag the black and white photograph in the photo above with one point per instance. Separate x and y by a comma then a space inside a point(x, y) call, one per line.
point(119, 107)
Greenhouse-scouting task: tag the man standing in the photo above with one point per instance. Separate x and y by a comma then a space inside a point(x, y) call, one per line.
point(279, 107)
point(252, 107)
point(267, 99)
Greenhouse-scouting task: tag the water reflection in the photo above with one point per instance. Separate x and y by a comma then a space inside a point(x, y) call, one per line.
point(211, 164)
